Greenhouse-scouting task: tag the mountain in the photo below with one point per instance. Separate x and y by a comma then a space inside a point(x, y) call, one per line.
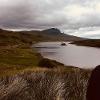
point(53, 34)
point(56, 33)
point(52, 31)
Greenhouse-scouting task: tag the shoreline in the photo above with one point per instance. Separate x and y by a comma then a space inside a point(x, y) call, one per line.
point(89, 43)
point(13, 69)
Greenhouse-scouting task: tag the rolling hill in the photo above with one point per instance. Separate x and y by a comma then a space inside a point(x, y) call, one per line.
point(53, 34)
point(88, 42)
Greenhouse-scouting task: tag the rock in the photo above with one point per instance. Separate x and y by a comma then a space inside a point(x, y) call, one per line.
point(93, 90)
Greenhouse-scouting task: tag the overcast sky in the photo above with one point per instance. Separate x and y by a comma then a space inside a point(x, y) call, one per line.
point(76, 17)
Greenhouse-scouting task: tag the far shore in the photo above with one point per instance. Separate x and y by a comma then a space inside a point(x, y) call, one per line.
point(88, 42)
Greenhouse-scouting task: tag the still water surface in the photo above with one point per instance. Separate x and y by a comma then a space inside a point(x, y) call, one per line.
point(79, 56)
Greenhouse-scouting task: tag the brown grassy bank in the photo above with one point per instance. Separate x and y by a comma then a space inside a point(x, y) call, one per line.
point(88, 42)
point(45, 84)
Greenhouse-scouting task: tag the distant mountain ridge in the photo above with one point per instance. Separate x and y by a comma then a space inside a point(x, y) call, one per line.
point(51, 34)
point(15, 37)
point(55, 32)
point(52, 31)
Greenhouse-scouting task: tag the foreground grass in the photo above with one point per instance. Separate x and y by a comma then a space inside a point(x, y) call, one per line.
point(45, 84)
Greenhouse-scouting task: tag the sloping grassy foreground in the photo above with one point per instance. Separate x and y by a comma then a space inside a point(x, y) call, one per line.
point(45, 84)
point(15, 59)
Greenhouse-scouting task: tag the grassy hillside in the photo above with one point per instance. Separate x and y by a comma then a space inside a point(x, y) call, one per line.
point(17, 58)
point(88, 42)
point(16, 53)
point(12, 38)
point(53, 34)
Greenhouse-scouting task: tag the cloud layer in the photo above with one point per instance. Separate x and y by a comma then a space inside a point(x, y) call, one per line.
point(71, 16)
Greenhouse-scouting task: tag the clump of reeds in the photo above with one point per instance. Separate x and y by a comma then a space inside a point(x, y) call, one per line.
point(45, 85)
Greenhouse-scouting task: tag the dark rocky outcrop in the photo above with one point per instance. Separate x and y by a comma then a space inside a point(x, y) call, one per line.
point(93, 90)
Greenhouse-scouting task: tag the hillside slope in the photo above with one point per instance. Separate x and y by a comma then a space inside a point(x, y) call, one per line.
point(10, 37)
point(53, 34)
point(88, 42)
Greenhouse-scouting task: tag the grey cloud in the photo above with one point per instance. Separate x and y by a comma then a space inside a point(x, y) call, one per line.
point(41, 14)
point(14, 14)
